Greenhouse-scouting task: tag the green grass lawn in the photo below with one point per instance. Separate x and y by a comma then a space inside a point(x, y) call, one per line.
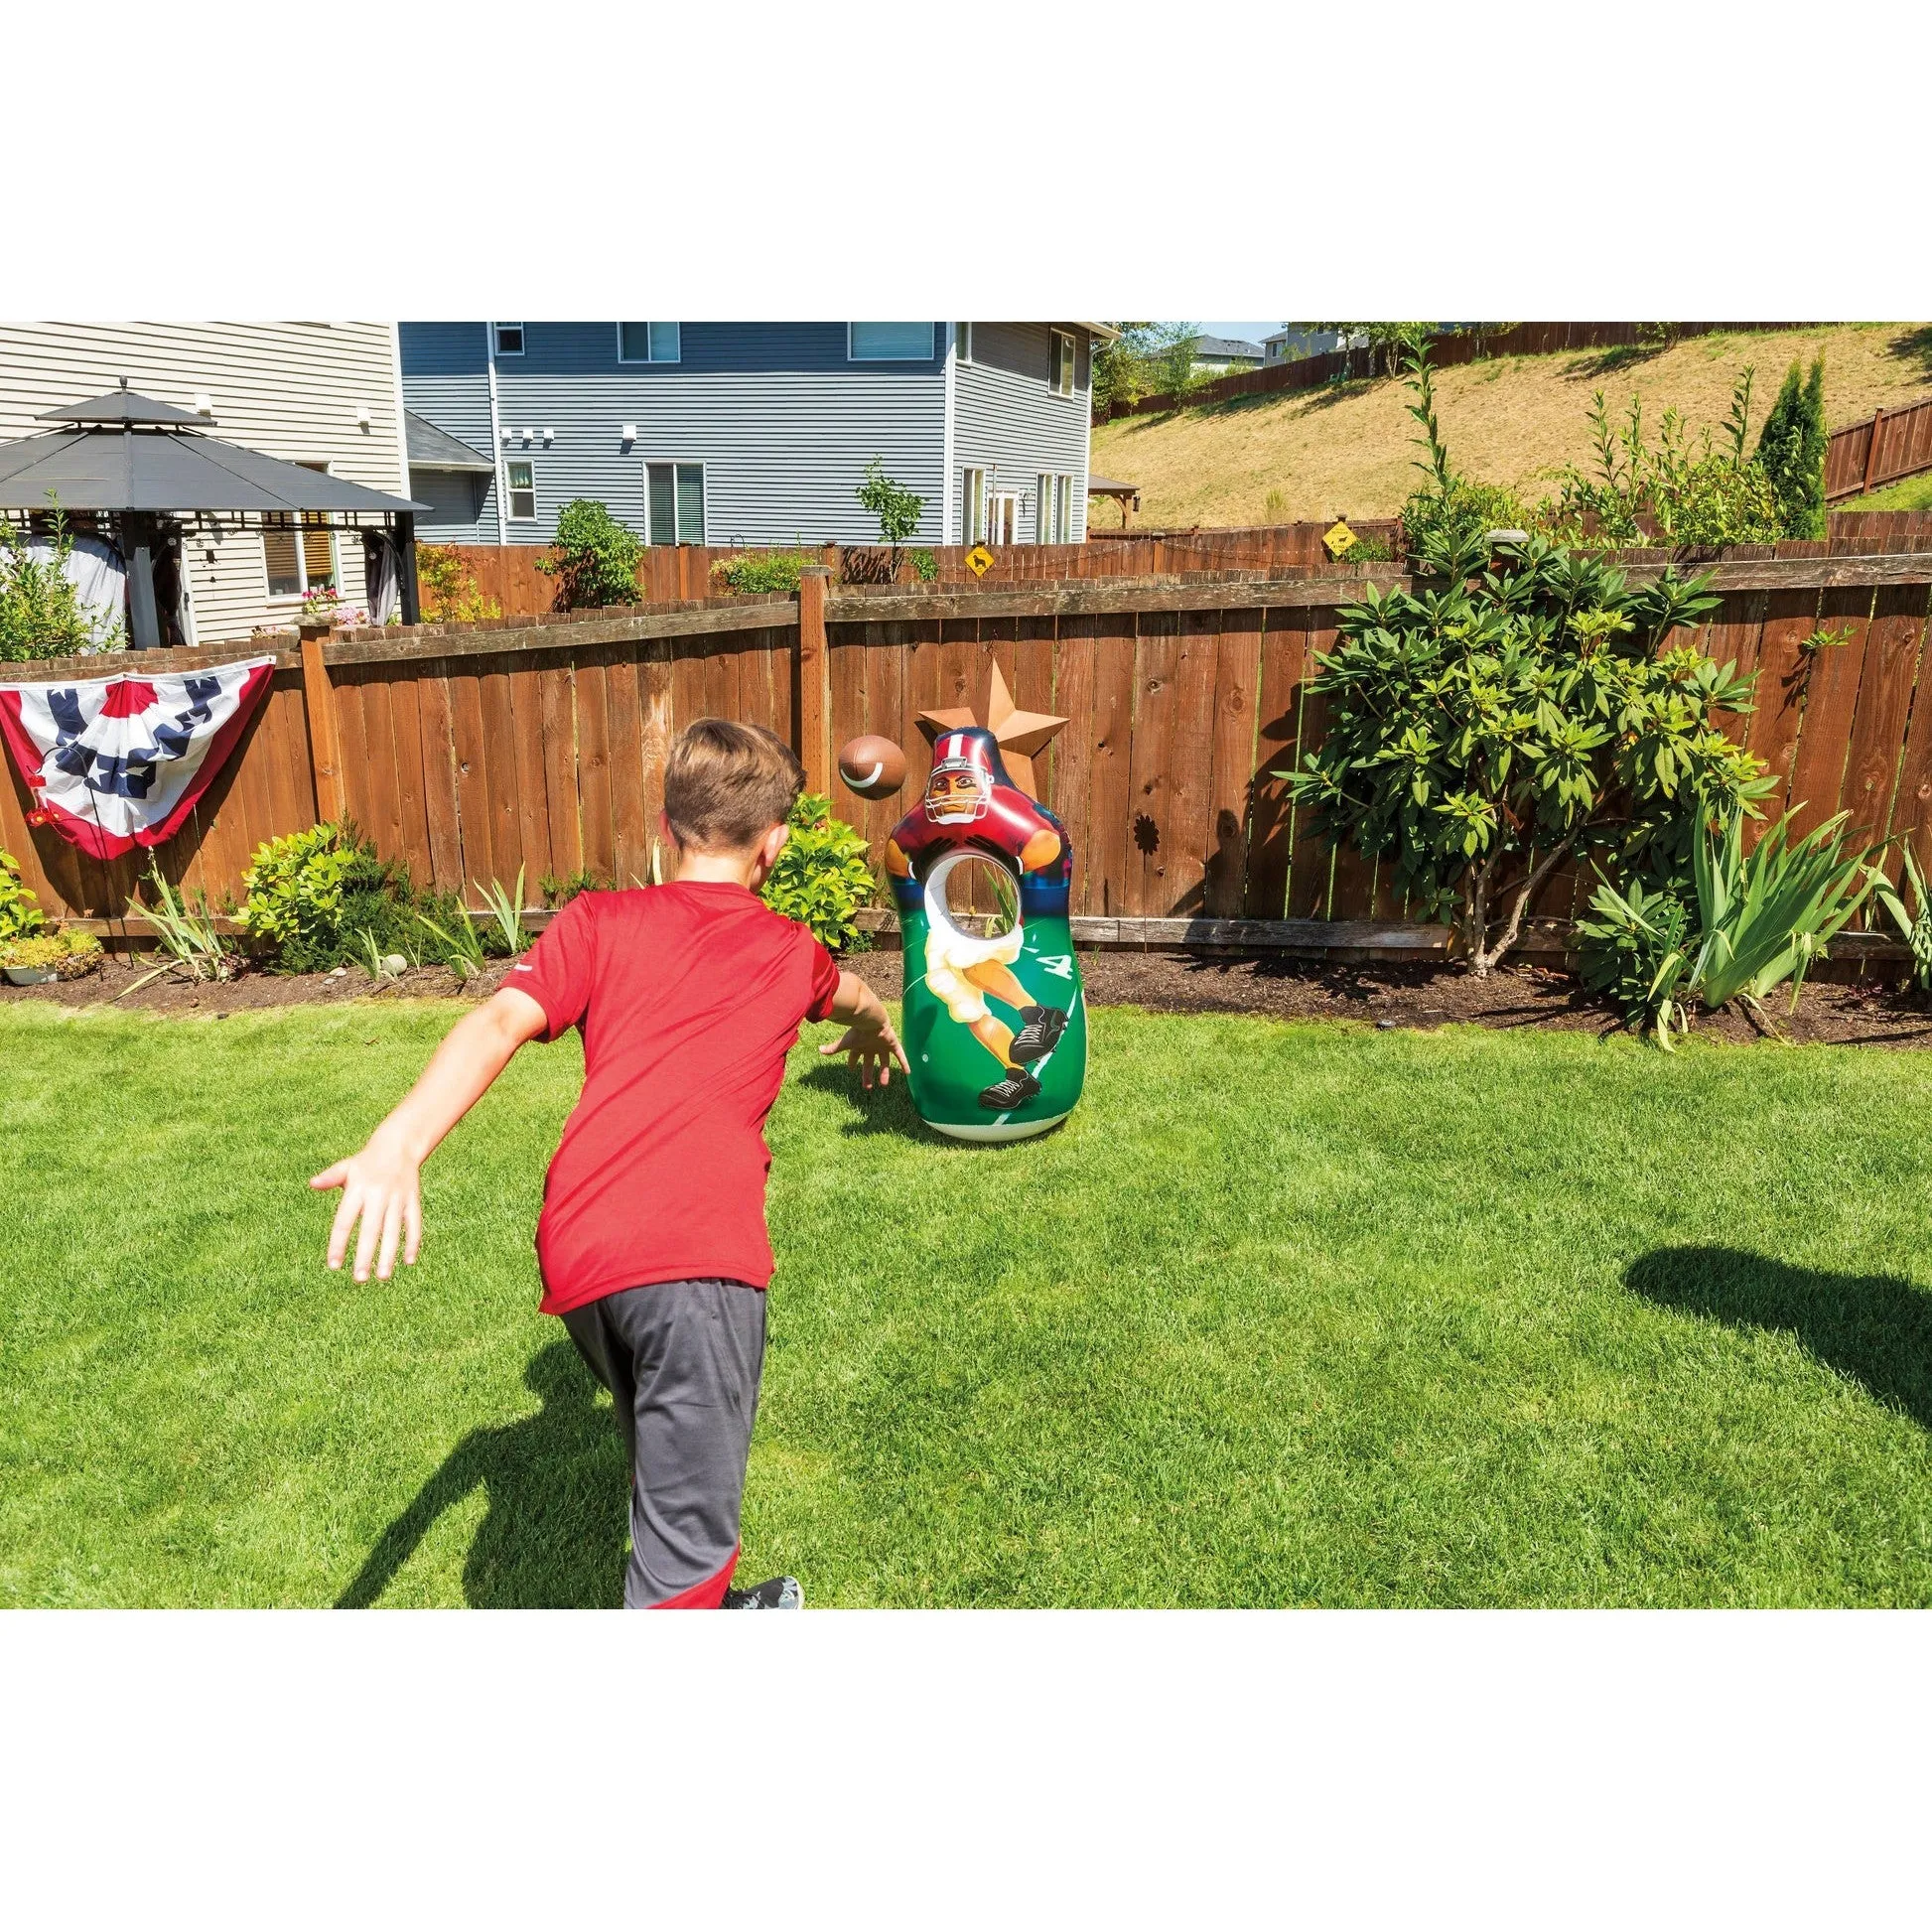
point(1284, 1315)
point(1915, 493)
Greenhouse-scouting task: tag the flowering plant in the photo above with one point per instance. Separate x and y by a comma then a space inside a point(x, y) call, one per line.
point(324, 604)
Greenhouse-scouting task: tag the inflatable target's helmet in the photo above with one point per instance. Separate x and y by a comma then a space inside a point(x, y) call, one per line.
point(966, 767)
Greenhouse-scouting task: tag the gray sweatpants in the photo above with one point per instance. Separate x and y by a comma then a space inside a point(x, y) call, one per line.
point(681, 1360)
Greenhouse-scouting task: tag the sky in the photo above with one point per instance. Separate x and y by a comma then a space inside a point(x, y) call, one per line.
point(1240, 331)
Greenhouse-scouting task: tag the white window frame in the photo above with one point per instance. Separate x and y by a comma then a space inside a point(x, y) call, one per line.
point(497, 338)
point(1056, 338)
point(301, 591)
point(704, 486)
point(644, 361)
point(1044, 507)
point(963, 337)
point(852, 356)
point(972, 506)
point(510, 493)
point(1063, 510)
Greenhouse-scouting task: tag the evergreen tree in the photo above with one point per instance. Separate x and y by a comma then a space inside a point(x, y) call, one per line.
point(1791, 449)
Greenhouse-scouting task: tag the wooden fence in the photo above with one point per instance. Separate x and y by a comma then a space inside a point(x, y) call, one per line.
point(470, 751)
point(509, 573)
point(1888, 445)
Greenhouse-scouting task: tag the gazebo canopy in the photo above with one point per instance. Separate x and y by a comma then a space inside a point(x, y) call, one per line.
point(129, 453)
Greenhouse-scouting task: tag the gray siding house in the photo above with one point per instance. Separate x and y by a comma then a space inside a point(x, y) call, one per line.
point(752, 432)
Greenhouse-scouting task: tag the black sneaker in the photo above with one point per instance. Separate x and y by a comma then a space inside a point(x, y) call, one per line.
point(774, 1593)
point(1039, 1032)
point(1015, 1090)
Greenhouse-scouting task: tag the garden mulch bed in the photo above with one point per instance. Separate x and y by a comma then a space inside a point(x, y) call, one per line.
point(1393, 995)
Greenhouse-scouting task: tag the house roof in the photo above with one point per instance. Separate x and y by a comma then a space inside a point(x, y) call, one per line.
point(107, 463)
point(433, 449)
point(1226, 346)
point(1107, 487)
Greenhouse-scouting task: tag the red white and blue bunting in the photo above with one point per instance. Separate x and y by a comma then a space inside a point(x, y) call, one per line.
point(120, 761)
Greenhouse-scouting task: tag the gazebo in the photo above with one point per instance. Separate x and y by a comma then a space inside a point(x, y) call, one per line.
point(148, 475)
point(1126, 495)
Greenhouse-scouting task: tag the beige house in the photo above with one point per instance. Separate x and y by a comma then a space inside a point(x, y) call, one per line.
point(323, 394)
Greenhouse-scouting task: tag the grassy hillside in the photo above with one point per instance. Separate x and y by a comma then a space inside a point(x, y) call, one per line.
point(1514, 420)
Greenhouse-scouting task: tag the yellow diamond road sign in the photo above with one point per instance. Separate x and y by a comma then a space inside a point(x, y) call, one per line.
point(1340, 540)
point(979, 560)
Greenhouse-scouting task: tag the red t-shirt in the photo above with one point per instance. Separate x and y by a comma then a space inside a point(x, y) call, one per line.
point(689, 997)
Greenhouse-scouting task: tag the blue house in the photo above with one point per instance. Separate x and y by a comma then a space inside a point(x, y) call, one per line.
point(748, 432)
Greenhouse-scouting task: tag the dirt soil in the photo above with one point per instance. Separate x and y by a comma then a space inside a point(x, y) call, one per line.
point(1392, 995)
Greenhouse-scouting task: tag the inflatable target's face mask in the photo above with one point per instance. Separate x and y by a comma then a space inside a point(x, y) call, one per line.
point(958, 792)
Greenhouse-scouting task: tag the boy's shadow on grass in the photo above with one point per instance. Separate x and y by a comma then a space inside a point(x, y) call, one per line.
point(1874, 1328)
point(874, 1110)
point(556, 1484)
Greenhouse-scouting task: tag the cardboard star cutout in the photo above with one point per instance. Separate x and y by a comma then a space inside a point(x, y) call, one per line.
point(1022, 733)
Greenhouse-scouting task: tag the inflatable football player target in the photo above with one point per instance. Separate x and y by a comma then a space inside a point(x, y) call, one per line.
point(995, 1023)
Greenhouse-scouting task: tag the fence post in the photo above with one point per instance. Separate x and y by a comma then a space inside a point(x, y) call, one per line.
point(1872, 448)
point(814, 680)
point(325, 757)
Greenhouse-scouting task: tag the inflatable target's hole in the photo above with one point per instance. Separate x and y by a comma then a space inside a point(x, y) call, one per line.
point(977, 894)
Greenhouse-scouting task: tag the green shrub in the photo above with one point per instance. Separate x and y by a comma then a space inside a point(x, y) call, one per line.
point(925, 566)
point(774, 570)
point(447, 587)
point(1486, 727)
point(1791, 450)
point(41, 613)
point(20, 911)
point(70, 955)
point(1695, 491)
point(561, 890)
point(1450, 509)
point(320, 899)
point(822, 878)
point(595, 558)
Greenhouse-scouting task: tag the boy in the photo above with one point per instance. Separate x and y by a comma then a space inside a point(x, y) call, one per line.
point(651, 1243)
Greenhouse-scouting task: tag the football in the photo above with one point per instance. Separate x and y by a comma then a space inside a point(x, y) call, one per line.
point(873, 767)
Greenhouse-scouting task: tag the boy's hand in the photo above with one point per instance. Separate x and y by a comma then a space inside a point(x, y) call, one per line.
point(868, 1043)
point(382, 1186)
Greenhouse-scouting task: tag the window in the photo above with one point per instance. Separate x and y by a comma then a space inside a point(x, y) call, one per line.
point(509, 338)
point(972, 508)
point(1061, 366)
point(1055, 520)
point(649, 342)
point(675, 502)
point(962, 332)
point(889, 342)
point(301, 556)
point(522, 480)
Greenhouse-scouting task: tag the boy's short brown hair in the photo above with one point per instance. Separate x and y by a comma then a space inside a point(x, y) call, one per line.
point(726, 784)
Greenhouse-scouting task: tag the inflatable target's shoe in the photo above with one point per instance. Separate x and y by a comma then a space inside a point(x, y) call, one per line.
point(1039, 1032)
point(1015, 1090)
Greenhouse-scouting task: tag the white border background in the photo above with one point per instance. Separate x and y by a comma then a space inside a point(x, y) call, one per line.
point(1530, 1769)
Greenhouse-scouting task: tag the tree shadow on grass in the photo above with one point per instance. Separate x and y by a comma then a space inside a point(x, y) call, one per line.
point(1915, 347)
point(555, 1532)
point(1874, 1328)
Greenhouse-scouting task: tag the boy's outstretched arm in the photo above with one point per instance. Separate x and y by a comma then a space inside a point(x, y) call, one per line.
point(380, 1184)
point(868, 1040)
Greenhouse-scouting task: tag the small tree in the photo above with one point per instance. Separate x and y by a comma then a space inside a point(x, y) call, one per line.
point(1118, 374)
point(896, 508)
point(596, 557)
point(1791, 450)
point(449, 589)
point(1391, 341)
